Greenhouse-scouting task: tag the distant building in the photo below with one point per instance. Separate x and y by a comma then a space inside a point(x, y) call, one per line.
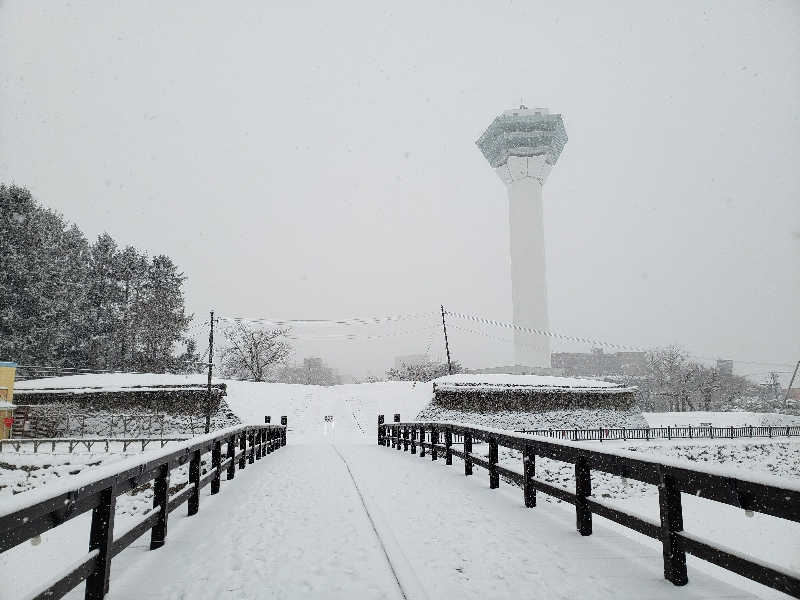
point(725, 367)
point(597, 363)
point(313, 371)
point(411, 360)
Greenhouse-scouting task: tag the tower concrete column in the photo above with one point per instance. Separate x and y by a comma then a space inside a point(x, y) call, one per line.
point(522, 145)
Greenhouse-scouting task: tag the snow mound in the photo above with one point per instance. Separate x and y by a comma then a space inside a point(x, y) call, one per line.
point(554, 419)
point(540, 382)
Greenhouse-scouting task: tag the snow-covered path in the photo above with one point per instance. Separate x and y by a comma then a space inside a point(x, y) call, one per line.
point(295, 527)
point(333, 515)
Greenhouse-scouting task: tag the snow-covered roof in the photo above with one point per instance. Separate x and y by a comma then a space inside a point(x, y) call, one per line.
point(549, 383)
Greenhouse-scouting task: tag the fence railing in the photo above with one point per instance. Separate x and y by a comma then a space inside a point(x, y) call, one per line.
point(97, 443)
point(23, 521)
point(665, 433)
point(671, 477)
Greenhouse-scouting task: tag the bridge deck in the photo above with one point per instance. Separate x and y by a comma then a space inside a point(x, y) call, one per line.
point(296, 527)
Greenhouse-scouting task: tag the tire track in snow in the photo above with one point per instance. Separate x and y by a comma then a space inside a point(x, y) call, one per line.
point(404, 575)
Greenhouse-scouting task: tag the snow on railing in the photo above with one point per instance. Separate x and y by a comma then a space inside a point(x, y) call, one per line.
point(32, 513)
point(765, 494)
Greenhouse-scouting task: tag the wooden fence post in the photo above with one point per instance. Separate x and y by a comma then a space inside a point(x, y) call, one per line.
point(230, 452)
point(494, 476)
point(267, 419)
point(396, 432)
point(381, 431)
point(251, 455)
point(583, 489)
point(158, 534)
point(448, 443)
point(405, 439)
point(529, 472)
point(216, 459)
point(434, 442)
point(194, 481)
point(101, 538)
point(467, 453)
point(413, 440)
point(243, 449)
point(285, 423)
point(669, 503)
point(422, 442)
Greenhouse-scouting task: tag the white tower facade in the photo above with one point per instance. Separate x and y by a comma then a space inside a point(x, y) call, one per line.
point(522, 145)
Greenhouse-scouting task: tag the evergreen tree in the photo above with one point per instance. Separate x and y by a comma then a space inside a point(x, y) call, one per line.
point(68, 303)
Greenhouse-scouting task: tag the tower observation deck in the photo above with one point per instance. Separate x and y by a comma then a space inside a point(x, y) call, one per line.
point(522, 145)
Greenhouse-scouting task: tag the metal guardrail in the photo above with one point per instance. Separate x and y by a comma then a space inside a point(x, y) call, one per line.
point(665, 433)
point(671, 477)
point(99, 495)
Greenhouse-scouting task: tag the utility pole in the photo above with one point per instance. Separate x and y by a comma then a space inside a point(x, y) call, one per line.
point(789, 387)
point(210, 367)
point(446, 345)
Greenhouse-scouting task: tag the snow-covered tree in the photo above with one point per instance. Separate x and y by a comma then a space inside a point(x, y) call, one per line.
point(251, 353)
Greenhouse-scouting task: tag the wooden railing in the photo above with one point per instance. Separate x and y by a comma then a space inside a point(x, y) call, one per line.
point(766, 496)
point(23, 521)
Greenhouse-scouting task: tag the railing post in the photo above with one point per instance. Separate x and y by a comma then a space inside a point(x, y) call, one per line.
point(770, 431)
point(101, 538)
point(267, 419)
point(583, 489)
point(494, 476)
point(381, 431)
point(690, 432)
point(529, 472)
point(467, 453)
point(669, 432)
point(434, 442)
point(251, 456)
point(413, 440)
point(194, 481)
point(405, 439)
point(669, 503)
point(158, 534)
point(285, 423)
point(243, 449)
point(448, 443)
point(422, 442)
point(216, 459)
point(396, 432)
point(230, 452)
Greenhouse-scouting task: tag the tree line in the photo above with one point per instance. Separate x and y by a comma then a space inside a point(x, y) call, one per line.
point(66, 302)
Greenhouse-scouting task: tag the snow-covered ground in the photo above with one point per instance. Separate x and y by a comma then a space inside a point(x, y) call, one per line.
point(319, 517)
point(719, 419)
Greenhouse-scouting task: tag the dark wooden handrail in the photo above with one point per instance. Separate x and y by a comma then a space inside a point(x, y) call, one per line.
point(48, 507)
point(766, 494)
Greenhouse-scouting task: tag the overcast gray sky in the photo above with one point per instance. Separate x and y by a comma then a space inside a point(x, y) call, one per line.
point(314, 160)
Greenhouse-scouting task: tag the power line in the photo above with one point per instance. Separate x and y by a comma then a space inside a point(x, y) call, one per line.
point(591, 341)
point(545, 332)
point(350, 321)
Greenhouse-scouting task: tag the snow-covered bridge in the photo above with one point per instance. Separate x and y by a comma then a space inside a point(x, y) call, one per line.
point(333, 515)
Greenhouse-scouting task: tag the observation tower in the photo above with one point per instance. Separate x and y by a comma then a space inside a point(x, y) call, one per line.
point(522, 145)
